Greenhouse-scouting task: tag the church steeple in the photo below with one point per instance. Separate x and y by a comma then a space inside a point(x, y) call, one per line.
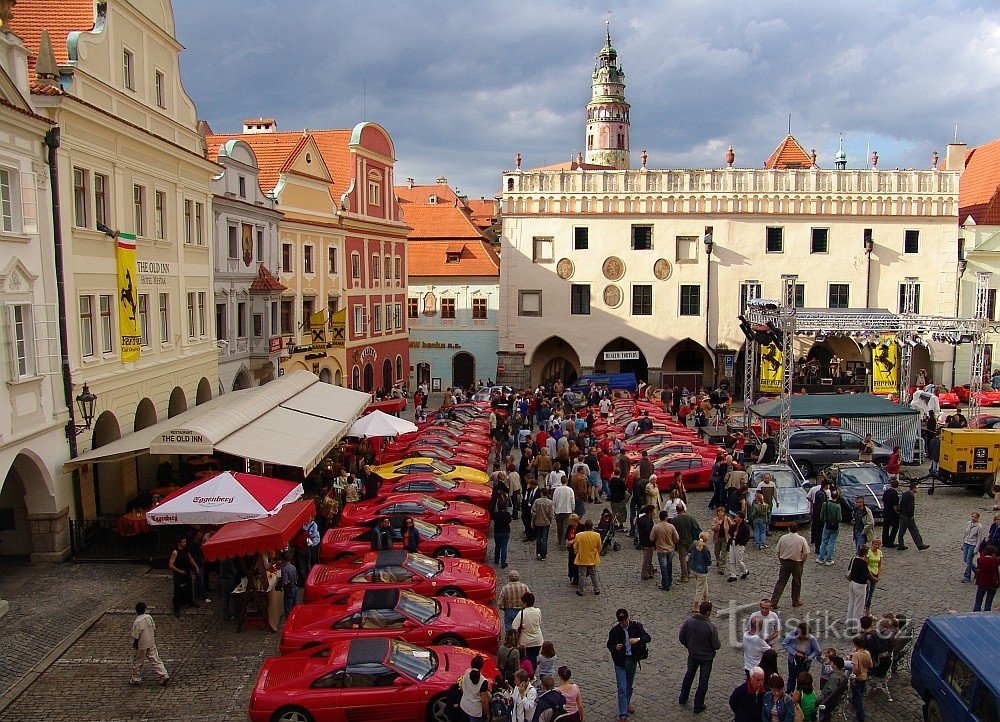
point(607, 139)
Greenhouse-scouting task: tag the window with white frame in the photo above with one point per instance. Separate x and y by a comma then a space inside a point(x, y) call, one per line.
point(377, 317)
point(220, 322)
point(374, 193)
point(360, 321)
point(397, 263)
point(331, 260)
point(243, 186)
point(80, 194)
point(164, 318)
point(376, 269)
point(448, 308)
point(107, 324)
point(397, 316)
point(356, 266)
point(286, 257)
point(307, 259)
point(188, 220)
point(260, 244)
point(199, 225)
point(87, 326)
point(101, 187)
point(233, 250)
point(160, 214)
point(192, 328)
point(202, 314)
point(241, 319)
point(8, 200)
point(412, 307)
point(388, 317)
point(19, 320)
point(144, 319)
point(139, 209)
point(479, 308)
point(161, 90)
point(128, 69)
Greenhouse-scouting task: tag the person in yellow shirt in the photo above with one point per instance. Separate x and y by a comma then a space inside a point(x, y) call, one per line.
point(875, 569)
point(587, 548)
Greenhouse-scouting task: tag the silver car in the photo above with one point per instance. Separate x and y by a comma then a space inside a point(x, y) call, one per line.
point(792, 504)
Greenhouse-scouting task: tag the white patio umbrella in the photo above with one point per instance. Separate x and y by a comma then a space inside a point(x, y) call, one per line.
point(379, 423)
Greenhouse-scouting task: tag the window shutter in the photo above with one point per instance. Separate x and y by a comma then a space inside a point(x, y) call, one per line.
point(8, 341)
point(29, 204)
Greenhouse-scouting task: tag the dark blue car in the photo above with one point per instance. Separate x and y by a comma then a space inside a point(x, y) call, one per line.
point(858, 479)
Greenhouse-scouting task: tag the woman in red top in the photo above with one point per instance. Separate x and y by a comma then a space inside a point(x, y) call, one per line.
point(892, 467)
point(987, 578)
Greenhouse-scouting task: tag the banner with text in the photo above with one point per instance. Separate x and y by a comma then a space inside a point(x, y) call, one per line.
point(317, 330)
point(130, 336)
point(885, 365)
point(338, 328)
point(770, 369)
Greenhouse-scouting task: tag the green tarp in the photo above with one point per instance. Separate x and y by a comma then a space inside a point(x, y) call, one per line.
point(823, 406)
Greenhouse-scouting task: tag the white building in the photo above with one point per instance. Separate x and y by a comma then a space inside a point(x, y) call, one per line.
point(247, 293)
point(35, 494)
point(608, 268)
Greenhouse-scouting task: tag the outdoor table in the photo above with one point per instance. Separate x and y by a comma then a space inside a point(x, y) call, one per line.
point(132, 523)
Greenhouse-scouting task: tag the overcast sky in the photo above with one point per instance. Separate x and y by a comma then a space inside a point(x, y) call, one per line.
point(463, 86)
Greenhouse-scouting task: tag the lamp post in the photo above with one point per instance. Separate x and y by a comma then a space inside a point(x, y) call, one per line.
point(709, 247)
point(85, 401)
point(869, 246)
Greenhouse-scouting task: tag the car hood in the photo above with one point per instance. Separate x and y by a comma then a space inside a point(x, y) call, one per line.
point(793, 502)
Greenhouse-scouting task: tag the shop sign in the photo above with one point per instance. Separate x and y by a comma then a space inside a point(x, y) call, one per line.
point(181, 441)
point(621, 355)
point(518, 345)
point(433, 344)
point(368, 353)
point(152, 273)
point(274, 344)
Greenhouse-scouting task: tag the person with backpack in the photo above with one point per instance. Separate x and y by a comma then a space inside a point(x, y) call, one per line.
point(830, 516)
point(777, 699)
point(475, 692)
point(550, 703)
point(628, 643)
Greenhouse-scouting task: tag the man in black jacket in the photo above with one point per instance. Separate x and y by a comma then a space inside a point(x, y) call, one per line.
point(382, 535)
point(701, 638)
point(530, 494)
point(643, 529)
point(747, 700)
point(617, 494)
point(890, 514)
point(627, 642)
point(907, 510)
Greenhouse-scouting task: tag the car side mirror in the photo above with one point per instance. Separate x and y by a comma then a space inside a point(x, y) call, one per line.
point(400, 682)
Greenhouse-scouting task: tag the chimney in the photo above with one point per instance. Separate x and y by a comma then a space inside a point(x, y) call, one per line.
point(442, 181)
point(954, 156)
point(409, 183)
point(260, 125)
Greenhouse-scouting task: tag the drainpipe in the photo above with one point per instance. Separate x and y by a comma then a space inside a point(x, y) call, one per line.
point(709, 247)
point(52, 143)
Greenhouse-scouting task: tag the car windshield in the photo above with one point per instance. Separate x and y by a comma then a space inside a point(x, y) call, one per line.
point(420, 608)
point(442, 468)
point(424, 566)
point(783, 478)
point(861, 475)
point(426, 531)
point(412, 661)
point(446, 484)
point(433, 504)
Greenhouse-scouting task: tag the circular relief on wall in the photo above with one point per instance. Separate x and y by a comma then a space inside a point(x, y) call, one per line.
point(612, 296)
point(662, 269)
point(614, 268)
point(565, 268)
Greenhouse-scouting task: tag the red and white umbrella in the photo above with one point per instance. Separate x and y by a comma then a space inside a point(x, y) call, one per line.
point(223, 498)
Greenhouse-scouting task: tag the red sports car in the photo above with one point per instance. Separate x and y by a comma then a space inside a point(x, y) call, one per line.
point(696, 471)
point(986, 397)
point(447, 540)
point(642, 442)
point(684, 446)
point(402, 570)
point(440, 488)
point(361, 679)
point(420, 506)
point(400, 614)
point(445, 437)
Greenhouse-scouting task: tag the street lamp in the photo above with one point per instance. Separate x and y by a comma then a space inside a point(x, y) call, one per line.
point(86, 402)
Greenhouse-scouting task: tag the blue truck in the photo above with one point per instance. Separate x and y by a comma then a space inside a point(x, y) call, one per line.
point(626, 381)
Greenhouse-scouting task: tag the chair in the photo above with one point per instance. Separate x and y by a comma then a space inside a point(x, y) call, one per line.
point(825, 711)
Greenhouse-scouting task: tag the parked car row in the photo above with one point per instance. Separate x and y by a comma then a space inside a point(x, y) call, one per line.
point(390, 620)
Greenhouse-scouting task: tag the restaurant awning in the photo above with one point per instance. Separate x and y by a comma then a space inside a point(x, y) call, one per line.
point(224, 497)
point(293, 421)
point(259, 535)
point(825, 406)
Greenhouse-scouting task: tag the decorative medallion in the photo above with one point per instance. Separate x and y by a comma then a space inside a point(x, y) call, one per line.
point(614, 268)
point(565, 268)
point(612, 296)
point(662, 269)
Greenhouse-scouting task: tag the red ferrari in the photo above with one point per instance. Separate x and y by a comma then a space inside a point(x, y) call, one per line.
point(440, 488)
point(641, 442)
point(402, 570)
point(667, 448)
point(400, 614)
point(447, 540)
point(361, 679)
point(696, 471)
point(419, 506)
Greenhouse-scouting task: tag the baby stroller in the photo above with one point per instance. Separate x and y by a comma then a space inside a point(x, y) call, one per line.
point(606, 528)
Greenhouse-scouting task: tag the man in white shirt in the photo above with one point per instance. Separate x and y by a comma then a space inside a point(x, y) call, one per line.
point(555, 477)
point(632, 428)
point(769, 625)
point(753, 645)
point(563, 501)
point(144, 647)
point(605, 406)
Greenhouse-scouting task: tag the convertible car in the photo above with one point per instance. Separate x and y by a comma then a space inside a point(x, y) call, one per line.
point(420, 506)
point(447, 540)
point(792, 502)
point(695, 470)
point(440, 488)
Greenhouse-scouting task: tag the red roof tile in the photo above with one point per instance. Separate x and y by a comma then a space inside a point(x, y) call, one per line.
point(979, 187)
point(7, 104)
point(266, 282)
point(789, 154)
point(484, 211)
point(439, 222)
point(274, 151)
point(429, 258)
point(60, 18)
point(422, 193)
point(334, 146)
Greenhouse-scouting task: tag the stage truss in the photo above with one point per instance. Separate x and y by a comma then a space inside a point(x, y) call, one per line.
point(784, 321)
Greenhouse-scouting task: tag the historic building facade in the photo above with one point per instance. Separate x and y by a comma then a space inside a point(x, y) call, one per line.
point(452, 307)
point(35, 494)
point(247, 294)
point(131, 160)
point(620, 269)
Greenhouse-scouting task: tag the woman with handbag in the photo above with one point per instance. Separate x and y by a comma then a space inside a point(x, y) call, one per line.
point(508, 656)
point(528, 623)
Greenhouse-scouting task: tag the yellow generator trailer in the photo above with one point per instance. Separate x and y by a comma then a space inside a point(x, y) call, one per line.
point(969, 457)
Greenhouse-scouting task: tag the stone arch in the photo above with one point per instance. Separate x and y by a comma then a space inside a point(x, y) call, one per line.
point(204, 392)
point(145, 415)
point(107, 495)
point(325, 376)
point(356, 378)
point(386, 374)
point(399, 367)
point(639, 366)
point(687, 364)
point(554, 358)
point(338, 377)
point(243, 380)
point(178, 402)
point(463, 369)
point(368, 378)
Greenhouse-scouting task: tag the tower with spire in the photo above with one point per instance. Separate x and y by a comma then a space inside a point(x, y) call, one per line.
point(607, 140)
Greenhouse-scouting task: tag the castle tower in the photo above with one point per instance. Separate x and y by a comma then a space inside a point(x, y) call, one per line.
point(607, 112)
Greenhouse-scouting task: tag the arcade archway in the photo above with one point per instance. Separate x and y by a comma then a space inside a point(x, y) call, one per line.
point(204, 392)
point(243, 380)
point(386, 376)
point(369, 379)
point(463, 370)
point(23, 488)
point(178, 403)
point(107, 491)
point(687, 365)
point(325, 376)
point(554, 360)
point(622, 356)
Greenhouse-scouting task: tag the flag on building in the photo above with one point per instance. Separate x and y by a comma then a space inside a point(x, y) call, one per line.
point(338, 328)
point(130, 335)
point(317, 329)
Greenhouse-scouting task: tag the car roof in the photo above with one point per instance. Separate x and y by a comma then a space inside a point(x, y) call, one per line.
point(770, 468)
point(974, 637)
point(853, 465)
point(390, 558)
point(380, 599)
point(367, 651)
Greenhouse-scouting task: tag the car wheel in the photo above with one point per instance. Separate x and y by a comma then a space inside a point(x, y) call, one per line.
point(291, 714)
point(450, 640)
point(933, 711)
point(451, 592)
point(437, 709)
point(447, 552)
point(805, 467)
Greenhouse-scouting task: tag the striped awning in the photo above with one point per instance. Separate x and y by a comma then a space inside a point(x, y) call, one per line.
point(901, 430)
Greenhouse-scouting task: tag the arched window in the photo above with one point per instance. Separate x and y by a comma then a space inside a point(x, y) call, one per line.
point(356, 378)
point(399, 368)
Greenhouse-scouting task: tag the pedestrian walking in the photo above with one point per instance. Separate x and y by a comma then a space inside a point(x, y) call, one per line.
point(563, 504)
point(802, 648)
point(587, 548)
point(907, 522)
point(688, 530)
point(628, 643)
point(777, 706)
point(652, 491)
point(511, 597)
point(747, 700)
point(699, 562)
point(739, 536)
point(830, 517)
point(528, 623)
point(971, 540)
point(793, 552)
point(720, 536)
point(542, 516)
point(893, 465)
point(289, 582)
point(643, 531)
point(890, 514)
point(501, 535)
point(531, 493)
point(858, 577)
point(934, 452)
point(664, 536)
point(618, 498)
point(863, 523)
point(987, 579)
point(182, 565)
point(572, 570)
point(760, 519)
point(700, 637)
point(861, 664)
point(144, 647)
point(874, 560)
point(509, 656)
point(817, 496)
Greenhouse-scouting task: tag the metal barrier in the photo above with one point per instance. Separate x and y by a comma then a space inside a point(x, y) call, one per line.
point(97, 540)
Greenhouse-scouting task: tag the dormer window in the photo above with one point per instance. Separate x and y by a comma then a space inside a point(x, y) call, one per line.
point(432, 200)
point(453, 257)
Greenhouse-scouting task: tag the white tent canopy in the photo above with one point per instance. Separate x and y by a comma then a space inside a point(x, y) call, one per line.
point(293, 421)
point(223, 498)
point(379, 423)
